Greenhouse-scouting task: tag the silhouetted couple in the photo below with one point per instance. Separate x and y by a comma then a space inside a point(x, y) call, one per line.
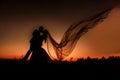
point(39, 55)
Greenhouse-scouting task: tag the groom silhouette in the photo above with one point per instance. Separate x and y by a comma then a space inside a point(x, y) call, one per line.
point(39, 55)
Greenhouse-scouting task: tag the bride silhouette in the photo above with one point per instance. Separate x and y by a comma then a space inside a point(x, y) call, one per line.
point(39, 55)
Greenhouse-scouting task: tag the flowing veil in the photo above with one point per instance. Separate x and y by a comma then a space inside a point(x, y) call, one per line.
point(73, 34)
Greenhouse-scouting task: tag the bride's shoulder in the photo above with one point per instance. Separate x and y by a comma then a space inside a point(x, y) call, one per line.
point(45, 31)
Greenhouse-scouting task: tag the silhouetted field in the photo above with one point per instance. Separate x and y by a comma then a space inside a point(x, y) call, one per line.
point(82, 68)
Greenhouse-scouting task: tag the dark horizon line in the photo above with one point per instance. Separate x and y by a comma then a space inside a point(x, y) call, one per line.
point(103, 57)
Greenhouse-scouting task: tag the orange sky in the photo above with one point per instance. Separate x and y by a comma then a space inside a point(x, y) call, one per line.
point(17, 23)
point(103, 40)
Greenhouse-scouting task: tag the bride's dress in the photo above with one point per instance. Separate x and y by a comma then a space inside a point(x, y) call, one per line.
point(40, 56)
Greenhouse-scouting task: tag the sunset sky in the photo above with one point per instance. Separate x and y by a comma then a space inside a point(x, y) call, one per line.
point(19, 18)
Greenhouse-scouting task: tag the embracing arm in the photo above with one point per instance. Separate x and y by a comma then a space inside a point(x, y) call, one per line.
point(45, 35)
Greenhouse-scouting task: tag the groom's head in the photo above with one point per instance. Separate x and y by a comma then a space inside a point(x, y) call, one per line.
point(41, 28)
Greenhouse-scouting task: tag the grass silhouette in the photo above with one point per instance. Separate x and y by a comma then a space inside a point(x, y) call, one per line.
point(104, 67)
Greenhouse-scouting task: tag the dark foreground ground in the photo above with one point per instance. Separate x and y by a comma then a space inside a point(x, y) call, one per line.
point(81, 69)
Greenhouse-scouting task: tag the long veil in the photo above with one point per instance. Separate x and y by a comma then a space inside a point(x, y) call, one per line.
point(73, 34)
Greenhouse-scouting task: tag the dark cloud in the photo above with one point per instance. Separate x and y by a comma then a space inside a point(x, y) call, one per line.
point(115, 3)
point(118, 3)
